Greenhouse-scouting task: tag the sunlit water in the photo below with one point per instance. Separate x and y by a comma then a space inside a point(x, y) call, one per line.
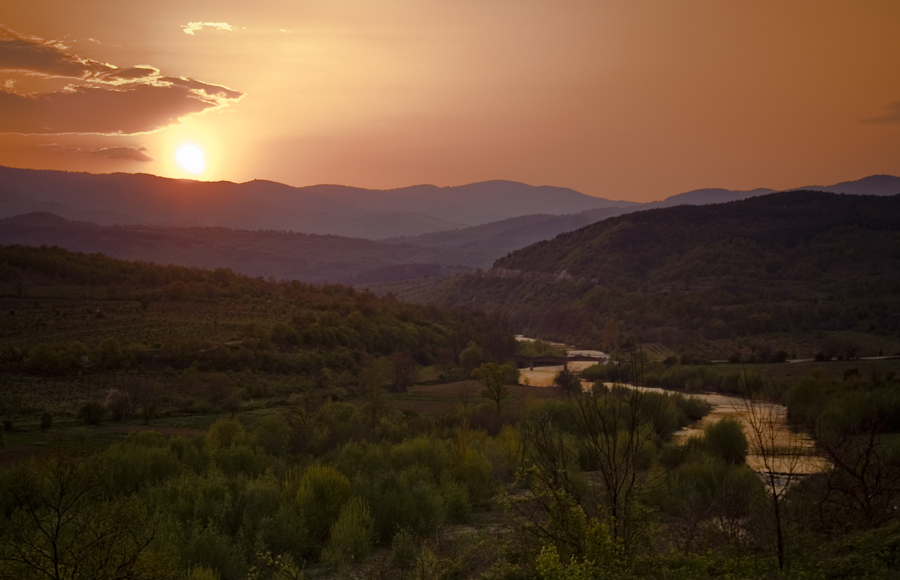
point(795, 450)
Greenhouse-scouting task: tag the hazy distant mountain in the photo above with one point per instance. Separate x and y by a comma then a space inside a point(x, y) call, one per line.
point(322, 209)
point(498, 238)
point(285, 255)
point(872, 185)
point(706, 196)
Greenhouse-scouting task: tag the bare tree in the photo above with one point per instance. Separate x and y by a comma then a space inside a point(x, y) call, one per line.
point(864, 481)
point(61, 529)
point(778, 455)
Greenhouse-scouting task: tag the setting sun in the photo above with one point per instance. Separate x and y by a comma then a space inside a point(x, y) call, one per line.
point(190, 158)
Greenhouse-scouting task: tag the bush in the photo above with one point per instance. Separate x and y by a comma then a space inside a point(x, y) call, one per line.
point(273, 434)
point(322, 492)
point(351, 535)
point(92, 413)
point(726, 439)
point(223, 434)
point(46, 420)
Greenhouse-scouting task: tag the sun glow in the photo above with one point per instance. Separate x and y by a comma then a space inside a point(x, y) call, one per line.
point(190, 158)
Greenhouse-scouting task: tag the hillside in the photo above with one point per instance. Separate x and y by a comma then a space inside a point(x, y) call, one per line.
point(497, 238)
point(784, 262)
point(283, 255)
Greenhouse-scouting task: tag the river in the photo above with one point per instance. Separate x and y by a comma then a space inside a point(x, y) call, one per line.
point(795, 450)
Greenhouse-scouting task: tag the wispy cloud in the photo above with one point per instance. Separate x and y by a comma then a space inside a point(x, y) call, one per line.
point(192, 27)
point(891, 118)
point(123, 153)
point(101, 97)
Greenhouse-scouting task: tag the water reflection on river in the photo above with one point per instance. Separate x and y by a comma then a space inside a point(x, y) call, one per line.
point(800, 455)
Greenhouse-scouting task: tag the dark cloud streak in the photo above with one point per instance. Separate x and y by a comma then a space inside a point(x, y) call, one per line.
point(892, 118)
point(121, 153)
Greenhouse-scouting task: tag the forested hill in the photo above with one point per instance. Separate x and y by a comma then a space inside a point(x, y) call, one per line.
point(780, 234)
point(787, 262)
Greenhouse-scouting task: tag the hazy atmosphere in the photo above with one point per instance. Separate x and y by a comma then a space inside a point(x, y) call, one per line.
point(625, 100)
point(433, 290)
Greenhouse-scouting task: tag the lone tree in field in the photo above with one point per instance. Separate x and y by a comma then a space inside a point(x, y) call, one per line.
point(494, 377)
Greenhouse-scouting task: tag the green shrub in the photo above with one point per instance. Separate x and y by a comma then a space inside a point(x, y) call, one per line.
point(725, 439)
point(223, 434)
point(321, 493)
point(215, 552)
point(350, 539)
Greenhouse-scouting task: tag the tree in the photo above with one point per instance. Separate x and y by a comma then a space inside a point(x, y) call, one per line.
point(63, 529)
point(321, 494)
point(778, 457)
point(471, 356)
point(403, 372)
point(725, 439)
point(617, 431)
point(350, 537)
point(568, 381)
point(864, 481)
point(494, 377)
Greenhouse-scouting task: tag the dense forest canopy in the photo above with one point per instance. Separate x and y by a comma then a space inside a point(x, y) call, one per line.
point(786, 262)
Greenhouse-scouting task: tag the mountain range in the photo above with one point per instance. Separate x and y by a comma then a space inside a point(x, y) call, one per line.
point(319, 233)
point(138, 199)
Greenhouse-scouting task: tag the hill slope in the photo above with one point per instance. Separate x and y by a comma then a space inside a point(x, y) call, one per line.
point(284, 255)
point(780, 262)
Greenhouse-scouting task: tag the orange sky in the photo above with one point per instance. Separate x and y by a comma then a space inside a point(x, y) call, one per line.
point(633, 99)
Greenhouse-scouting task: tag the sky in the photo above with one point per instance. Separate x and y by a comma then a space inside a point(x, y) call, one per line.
point(625, 99)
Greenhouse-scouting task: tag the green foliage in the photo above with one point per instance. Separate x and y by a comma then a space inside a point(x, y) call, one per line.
point(212, 550)
point(351, 535)
point(320, 495)
point(725, 439)
point(61, 526)
point(223, 434)
point(568, 381)
point(494, 377)
point(201, 573)
point(471, 356)
point(273, 434)
point(682, 275)
point(532, 348)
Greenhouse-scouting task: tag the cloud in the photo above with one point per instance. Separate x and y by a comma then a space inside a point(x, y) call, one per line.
point(124, 153)
point(101, 99)
point(128, 153)
point(34, 55)
point(192, 27)
point(136, 109)
point(891, 118)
